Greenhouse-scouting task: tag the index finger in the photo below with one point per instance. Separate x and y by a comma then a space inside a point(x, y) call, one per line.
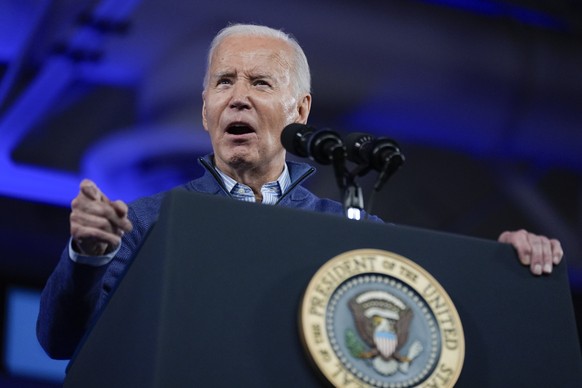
point(519, 240)
point(91, 191)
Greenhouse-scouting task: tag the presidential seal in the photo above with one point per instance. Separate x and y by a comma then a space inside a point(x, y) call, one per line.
point(374, 318)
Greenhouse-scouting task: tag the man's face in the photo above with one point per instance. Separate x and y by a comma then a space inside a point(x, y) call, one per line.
point(249, 99)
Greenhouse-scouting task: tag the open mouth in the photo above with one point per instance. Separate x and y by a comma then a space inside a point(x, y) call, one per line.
point(239, 129)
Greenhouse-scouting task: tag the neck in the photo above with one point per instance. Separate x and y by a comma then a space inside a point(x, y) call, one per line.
point(254, 176)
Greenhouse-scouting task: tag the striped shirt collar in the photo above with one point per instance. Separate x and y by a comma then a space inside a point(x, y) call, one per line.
point(271, 191)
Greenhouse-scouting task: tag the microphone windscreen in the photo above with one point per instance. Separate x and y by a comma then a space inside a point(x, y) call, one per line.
point(292, 138)
point(359, 147)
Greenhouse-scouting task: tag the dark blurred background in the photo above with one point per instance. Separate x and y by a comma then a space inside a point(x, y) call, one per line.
point(484, 97)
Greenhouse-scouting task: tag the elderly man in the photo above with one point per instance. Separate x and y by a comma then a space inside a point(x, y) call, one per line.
point(257, 82)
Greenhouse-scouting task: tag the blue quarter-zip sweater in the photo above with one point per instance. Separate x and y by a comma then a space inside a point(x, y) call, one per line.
point(74, 292)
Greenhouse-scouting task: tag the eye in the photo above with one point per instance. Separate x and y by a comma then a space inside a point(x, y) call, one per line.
point(261, 82)
point(223, 81)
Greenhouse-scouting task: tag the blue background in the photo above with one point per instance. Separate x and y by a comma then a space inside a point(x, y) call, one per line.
point(483, 96)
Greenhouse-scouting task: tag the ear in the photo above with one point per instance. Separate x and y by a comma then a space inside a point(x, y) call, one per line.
point(303, 109)
point(204, 121)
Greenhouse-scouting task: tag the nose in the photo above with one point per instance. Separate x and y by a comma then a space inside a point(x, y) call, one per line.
point(240, 97)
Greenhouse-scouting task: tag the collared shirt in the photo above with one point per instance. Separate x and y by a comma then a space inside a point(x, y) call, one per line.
point(271, 191)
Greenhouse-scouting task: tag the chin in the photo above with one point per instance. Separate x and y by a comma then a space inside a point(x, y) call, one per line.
point(240, 159)
point(242, 156)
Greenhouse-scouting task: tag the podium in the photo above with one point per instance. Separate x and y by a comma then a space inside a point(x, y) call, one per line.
point(212, 300)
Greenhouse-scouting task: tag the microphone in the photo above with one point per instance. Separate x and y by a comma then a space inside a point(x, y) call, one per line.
point(359, 147)
point(386, 152)
point(382, 154)
point(323, 146)
point(365, 149)
point(295, 137)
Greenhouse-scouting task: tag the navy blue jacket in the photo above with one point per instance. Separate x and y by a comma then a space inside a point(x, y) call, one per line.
point(75, 292)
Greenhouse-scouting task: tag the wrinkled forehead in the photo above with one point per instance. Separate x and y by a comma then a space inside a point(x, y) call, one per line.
point(246, 53)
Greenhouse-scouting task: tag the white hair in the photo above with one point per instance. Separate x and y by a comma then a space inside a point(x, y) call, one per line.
point(300, 67)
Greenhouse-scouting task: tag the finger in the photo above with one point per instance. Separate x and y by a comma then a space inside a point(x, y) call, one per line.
point(557, 251)
point(536, 265)
point(519, 240)
point(92, 233)
point(95, 208)
point(79, 219)
point(101, 216)
point(121, 210)
point(119, 215)
point(547, 259)
point(91, 191)
point(96, 229)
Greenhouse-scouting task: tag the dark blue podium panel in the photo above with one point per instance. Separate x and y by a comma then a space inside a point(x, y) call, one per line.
point(212, 299)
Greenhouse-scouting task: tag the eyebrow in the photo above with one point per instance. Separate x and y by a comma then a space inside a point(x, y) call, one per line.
point(252, 77)
point(257, 76)
point(225, 74)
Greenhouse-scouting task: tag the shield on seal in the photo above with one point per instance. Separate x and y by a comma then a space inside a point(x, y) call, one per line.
point(386, 342)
